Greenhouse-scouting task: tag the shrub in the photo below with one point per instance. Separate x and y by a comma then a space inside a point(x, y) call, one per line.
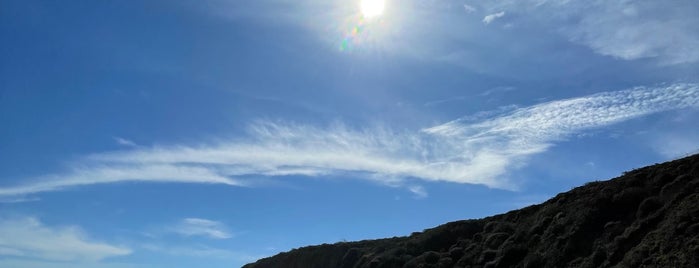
point(495, 240)
point(431, 257)
point(456, 253)
point(648, 206)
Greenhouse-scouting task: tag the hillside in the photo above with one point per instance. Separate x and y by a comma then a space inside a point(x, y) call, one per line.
point(648, 217)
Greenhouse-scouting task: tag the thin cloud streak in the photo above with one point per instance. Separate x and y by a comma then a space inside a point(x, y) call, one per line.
point(102, 173)
point(201, 227)
point(201, 251)
point(418, 191)
point(492, 17)
point(475, 150)
point(469, 9)
point(125, 142)
point(28, 238)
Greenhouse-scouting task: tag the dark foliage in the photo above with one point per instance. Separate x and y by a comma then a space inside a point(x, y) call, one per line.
point(648, 217)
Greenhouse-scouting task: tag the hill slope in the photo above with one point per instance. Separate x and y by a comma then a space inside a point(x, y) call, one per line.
point(647, 217)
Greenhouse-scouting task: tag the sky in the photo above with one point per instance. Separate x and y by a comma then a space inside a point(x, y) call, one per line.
point(211, 133)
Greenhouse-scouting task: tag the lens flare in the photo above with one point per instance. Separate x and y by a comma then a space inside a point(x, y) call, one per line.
point(364, 28)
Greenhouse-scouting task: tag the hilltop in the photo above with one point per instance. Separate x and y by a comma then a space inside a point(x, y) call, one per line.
point(648, 217)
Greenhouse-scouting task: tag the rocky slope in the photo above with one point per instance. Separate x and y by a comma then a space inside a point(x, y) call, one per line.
point(648, 217)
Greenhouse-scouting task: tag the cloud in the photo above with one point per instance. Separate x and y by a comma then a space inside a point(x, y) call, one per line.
point(554, 120)
point(531, 130)
point(675, 145)
point(20, 263)
point(452, 99)
point(480, 149)
point(418, 191)
point(201, 227)
point(201, 251)
point(125, 142)
point(28, 238)
point(18, 199)
point(648, 30)
point(627, 30)
point(492, 17)
point(102, 173)
point(469, 9)
point(496, 90)
point(492, 91)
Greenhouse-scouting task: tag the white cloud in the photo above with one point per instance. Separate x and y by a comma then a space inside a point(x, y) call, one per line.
point(18, 199)
point(492, 17)
point(532, 130)
point(287, 148)
point(125, 142)
point(676, 145)
point(469, 9)
point(452, 99)
point(102, 173)
point(418, 191)
point(22, 263)
point(649, 30)
point(201, 251)
point(201, 227)
point(476, 150)
point(558, 118)
point(28, 238)
point(624, 29)
point(497, 90)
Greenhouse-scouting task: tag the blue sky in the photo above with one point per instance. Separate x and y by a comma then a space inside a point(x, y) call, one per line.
point(212, 133)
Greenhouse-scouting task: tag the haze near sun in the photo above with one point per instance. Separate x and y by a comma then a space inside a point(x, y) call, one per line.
point(372, 8)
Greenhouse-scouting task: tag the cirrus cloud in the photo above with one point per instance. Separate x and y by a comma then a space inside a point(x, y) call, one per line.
point(492, 17)
point(201, 227)
point(627, 30)
point(475, 150)
point(29, 238)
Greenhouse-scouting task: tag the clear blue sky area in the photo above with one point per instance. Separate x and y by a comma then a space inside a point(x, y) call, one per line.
point(211, 133)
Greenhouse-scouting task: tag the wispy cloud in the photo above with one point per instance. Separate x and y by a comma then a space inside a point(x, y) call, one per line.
point(623, 29)
point(496, 90)
point(489, 92)
point(626, 30)
point(553, 120)
point(452, 99)
point(469, 9)
point(418, 190)
point(475, 150)
point(201, 227)
point(674, 145)
point(200, 251)
point(492, 17)
point(24, 263)
point(28, 238)
point(125, 142)
point(532, 130)
point(18, 199)
point(91, 173)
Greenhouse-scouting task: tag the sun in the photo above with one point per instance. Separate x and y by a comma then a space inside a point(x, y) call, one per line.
point(372, 8)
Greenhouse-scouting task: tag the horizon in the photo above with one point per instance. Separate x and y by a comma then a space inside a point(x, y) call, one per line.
point(214, 133)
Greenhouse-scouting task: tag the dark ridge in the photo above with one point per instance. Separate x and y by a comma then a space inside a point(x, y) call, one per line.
point(648, 217)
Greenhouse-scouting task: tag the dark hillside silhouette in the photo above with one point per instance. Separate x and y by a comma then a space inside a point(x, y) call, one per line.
point(648, 217)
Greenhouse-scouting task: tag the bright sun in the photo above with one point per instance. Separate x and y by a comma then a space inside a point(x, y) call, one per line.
point(372, 8)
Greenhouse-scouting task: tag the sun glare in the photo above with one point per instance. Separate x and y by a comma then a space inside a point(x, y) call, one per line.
point(372, 8)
